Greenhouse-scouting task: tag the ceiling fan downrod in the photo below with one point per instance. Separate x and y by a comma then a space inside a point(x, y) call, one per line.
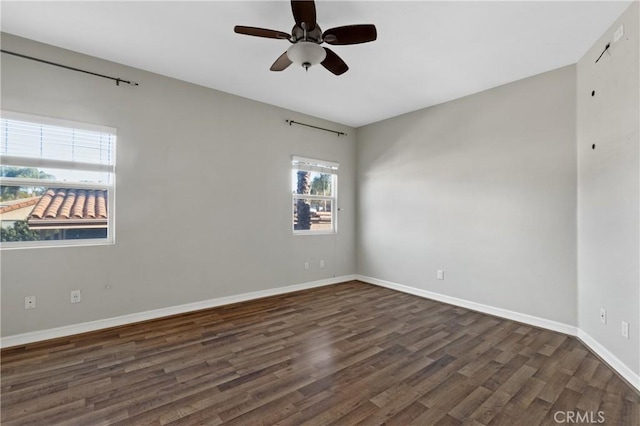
point(305, 65)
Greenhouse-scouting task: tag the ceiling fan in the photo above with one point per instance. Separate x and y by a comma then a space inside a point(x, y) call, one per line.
point(306, 37)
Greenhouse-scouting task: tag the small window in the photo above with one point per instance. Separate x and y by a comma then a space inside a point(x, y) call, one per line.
point(57, 182)
point(314, 184)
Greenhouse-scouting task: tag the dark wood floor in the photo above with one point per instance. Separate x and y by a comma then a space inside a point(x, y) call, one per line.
point(345, 354)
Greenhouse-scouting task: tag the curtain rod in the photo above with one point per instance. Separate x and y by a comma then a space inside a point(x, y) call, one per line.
point(117, 80)
point(316, 127)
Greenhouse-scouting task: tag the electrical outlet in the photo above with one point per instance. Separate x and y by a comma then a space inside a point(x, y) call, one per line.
point(76, 296)
point(30, 302)
point(322, 263)
point(625, 329)
point(440, 274)
point(306, 265)
point(618, 34)
point(603, 316)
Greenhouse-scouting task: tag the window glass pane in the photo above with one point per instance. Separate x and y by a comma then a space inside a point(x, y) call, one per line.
point(68, 170)
point(312, 183)
point(312, 215)
point(43, 213)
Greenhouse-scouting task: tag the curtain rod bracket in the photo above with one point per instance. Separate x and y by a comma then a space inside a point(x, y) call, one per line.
point(605, 49)
point(316, 127)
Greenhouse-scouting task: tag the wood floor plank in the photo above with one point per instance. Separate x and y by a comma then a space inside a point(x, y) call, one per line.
point(407, 415)
point(470, 403)
point(344, 354)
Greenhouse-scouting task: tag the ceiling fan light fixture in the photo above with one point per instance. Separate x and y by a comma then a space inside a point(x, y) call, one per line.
point(306, 53)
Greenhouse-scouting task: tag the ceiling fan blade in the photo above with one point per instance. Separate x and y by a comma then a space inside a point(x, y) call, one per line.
point(304, 11)
point(333, 63)
point(281, 63)
point(350, 34)
point(261, 32)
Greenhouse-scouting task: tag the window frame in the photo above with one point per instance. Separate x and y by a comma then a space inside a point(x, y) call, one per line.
point(110, 187)
point(324, 167)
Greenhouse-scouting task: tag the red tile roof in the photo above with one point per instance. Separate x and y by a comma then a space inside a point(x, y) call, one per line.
point(70, 207)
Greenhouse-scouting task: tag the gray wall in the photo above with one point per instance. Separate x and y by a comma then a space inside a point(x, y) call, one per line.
point(483, 187)
point(203, 195)
point(608, 191)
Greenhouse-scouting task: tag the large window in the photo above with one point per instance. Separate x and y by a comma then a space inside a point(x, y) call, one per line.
point(314, 184)
point(57, 182)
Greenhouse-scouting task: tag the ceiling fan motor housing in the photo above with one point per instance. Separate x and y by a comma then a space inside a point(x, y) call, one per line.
point(299, 34)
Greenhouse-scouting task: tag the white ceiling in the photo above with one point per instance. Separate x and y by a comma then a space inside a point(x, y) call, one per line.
point(427, 52)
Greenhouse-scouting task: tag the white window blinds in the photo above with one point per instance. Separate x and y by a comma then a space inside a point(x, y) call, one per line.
point(311, 165)
point(33, 144)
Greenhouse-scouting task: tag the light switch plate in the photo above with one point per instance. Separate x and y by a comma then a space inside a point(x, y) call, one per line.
point(618, 34)
point(625, 329)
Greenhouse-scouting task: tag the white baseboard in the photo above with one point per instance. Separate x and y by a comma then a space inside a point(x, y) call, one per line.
point(601, 351)
point(487, 309)
point(613, 361)
point(69, 330)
